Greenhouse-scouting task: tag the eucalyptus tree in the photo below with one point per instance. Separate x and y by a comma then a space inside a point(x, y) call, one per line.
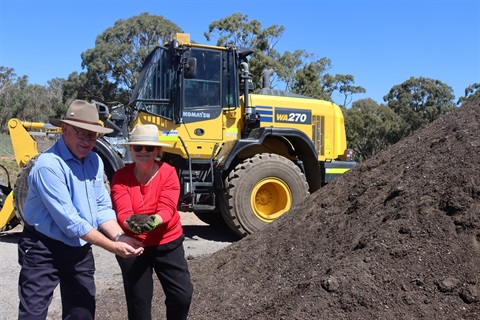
point(120, 51)
point(344, 85)
point(419, 101)
point(8, 88)
point(8, 78)
point(297, 70)
point(311, 80)
point(55, 96)
point(237, 30)
point(89, 86)
point(28, 102)
point(472, 92)
point(33, 104)
point(371, 127)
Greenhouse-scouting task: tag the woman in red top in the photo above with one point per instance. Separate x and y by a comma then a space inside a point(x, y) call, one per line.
point(145, 195)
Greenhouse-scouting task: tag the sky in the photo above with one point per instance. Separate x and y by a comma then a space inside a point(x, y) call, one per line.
point(382, 43)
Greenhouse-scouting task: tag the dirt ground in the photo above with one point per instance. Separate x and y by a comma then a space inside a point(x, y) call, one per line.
point(398, 237)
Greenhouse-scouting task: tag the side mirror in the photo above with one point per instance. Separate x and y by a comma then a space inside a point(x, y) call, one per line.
point(190, 71)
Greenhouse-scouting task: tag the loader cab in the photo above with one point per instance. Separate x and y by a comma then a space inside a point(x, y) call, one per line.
point(188, 84)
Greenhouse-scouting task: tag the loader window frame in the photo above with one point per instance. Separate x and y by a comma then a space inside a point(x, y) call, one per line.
point(153, 91)
point(205, 89)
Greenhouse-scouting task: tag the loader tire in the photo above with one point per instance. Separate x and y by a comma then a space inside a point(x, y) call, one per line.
point(260, 190)
point(20, 189)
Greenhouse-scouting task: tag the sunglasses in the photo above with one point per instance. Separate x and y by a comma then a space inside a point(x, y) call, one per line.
point(140, 148)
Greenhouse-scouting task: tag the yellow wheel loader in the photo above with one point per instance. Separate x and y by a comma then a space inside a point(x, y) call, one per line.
point(241, 158)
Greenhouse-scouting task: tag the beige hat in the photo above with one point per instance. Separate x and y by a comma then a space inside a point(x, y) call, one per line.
point(83, 115)
point(145, 135)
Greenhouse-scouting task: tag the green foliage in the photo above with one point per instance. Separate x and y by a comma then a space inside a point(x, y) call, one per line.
point(289, 63)
point(119, 51)
point(370, 128)
point(18, 99)
point(344, 85)
point(236, 30)
point(297, 69)
point(471, 93)
point(419, 101)
point(89, 86)
point(311, 80)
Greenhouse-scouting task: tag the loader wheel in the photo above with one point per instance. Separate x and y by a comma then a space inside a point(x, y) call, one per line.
point(260, 190)
point(20, 189)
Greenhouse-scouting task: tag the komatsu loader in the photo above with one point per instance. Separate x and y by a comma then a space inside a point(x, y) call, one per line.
point(241, 157)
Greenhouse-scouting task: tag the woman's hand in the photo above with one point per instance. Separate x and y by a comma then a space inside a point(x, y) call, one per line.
point(139, 223)
point(152, 223)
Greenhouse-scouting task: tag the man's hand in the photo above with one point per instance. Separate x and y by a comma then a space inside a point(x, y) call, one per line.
point(139, 223)
point(124, 246)
point(124, 249)
point(131, 241)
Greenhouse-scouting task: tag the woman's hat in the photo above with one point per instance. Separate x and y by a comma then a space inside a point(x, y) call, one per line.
point(82, 114)
point(145, 135)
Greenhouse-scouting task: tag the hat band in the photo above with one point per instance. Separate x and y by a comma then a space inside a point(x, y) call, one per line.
point(144, 138)
point(82, 121)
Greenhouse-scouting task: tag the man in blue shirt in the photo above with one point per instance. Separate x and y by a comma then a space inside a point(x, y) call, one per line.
point(66, 204)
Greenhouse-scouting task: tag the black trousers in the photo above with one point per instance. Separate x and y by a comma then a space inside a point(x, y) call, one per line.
point(168, 262)
point(45, 263)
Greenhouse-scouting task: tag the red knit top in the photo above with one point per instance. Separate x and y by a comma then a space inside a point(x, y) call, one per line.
point(159, 196)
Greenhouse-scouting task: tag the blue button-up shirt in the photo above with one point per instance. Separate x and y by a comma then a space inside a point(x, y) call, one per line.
point(66, 196)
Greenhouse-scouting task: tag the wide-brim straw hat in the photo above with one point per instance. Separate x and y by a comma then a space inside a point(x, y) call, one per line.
point(82, 114)
point(145, 135)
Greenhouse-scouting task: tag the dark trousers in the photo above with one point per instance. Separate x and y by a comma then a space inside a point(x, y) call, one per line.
point(171, 268)
point(45, 263)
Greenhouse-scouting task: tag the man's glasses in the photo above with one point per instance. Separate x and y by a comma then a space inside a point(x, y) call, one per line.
point(137, 148)
point(82, 135)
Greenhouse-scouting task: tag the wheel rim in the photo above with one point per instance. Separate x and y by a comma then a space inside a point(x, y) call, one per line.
point(270, 198)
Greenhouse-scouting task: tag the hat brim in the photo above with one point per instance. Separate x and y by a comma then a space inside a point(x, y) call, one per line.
point(145, 143)
point(90, 127)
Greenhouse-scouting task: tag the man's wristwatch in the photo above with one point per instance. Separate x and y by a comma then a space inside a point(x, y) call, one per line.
point(118, 236)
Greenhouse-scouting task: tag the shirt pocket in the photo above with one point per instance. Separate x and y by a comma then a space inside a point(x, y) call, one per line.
point(98, 187)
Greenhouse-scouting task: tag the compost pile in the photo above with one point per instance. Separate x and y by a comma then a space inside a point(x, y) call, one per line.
point(398, 237)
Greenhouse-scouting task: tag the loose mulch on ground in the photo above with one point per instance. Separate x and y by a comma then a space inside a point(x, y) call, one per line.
point(398, 237)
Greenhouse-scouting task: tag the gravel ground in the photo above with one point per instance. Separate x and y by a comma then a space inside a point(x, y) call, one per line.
point(201, 239)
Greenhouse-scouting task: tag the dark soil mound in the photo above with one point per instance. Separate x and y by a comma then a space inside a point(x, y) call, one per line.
point(398, 237)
